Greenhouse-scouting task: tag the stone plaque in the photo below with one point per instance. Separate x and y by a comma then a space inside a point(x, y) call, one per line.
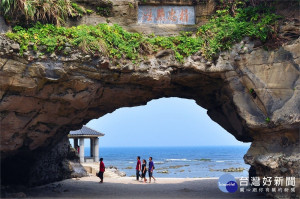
point(166, 14)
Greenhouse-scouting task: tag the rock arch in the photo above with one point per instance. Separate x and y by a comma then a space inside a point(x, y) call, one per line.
point(252, 93)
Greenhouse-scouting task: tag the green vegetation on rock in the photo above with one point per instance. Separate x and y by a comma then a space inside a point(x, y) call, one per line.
point(104, 11)
point(224, 30)
point(79, 9)
point(219, 34)
point(105, 8)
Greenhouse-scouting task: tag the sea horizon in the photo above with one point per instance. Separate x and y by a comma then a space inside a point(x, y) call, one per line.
point(171, 146)
point(180, 161)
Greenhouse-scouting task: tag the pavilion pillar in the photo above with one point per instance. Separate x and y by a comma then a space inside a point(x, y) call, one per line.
point(92, 147)
point(75, 142)
point(96, 149)
point(81, 150)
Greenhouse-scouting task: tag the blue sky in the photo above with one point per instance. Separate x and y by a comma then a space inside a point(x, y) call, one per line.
point(162, 122)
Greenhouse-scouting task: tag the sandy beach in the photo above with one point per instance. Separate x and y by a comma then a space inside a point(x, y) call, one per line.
point(128, 187)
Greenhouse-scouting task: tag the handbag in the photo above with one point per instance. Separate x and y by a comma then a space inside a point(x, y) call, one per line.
point(97, 174)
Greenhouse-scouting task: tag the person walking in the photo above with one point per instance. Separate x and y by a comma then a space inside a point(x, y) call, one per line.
point(144, 170)
point(150, 170)
point(138, 167)
point(101, 170)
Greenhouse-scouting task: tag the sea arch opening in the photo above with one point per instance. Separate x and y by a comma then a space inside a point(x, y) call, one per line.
point(67, 105)
point(176, 132)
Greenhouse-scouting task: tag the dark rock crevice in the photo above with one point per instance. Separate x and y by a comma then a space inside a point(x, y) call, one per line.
point(37, 167)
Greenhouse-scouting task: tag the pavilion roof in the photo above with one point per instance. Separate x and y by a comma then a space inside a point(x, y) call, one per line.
point(85, 132)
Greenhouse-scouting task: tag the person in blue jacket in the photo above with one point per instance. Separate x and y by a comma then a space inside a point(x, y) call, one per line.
point(150, 170)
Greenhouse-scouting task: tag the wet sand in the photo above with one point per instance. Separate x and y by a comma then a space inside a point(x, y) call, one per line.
point(128, 187)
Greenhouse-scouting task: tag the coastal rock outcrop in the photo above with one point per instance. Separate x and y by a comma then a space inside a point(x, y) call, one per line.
point(252, 93)
point(55, 163)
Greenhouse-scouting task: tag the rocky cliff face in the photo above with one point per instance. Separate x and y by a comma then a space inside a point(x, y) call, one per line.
point(253, 93)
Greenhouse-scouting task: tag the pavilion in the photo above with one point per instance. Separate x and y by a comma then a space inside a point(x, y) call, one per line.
point(81, 134)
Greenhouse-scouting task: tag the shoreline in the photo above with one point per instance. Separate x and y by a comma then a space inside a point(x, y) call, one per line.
point(111, 171)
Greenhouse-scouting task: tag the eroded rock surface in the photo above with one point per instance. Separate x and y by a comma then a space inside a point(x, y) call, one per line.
point(252, 93)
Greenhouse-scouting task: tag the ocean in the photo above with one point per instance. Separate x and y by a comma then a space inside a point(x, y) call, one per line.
point(178, 162)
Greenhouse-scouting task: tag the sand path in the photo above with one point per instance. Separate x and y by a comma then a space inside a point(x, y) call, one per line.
point(127, 187)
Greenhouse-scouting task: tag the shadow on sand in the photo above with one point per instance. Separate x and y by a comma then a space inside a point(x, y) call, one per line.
point(89, 187)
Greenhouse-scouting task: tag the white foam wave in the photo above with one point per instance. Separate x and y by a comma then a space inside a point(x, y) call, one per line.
point(185, 160)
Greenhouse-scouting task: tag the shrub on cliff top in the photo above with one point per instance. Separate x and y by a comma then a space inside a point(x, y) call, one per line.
point(220, 33)
point(224, 30)
point(110, 40)
point(46, 11)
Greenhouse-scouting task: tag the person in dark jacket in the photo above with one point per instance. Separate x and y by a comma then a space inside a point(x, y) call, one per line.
point(144, 170)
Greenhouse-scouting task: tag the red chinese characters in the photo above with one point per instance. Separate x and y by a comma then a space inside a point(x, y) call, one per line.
point(147, 15)
point(184, 15)
point(166, 14)
point(160, 14)
point(172, 15)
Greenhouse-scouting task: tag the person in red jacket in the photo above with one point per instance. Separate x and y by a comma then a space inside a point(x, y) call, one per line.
point(101, 170)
